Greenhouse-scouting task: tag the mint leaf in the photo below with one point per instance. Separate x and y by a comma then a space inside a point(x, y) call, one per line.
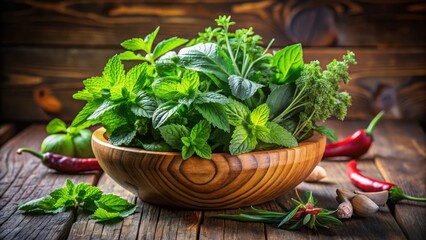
point(189, 83)
point(167, 88)
point(103, 108)
point(95, 84)
point(157, 147)
point(83, 95)
point(214, 113)
point(242, 88)
point(114, 71)
point(201, 131)
point(84, 113)
point(167, 45)
point(149, 39)
point(40, 206)
point(56, 126)
point(278, 135)
point(172, 134)
point(260, 115)
point(112, 120)
point(134, 44)
point(135, 78)
point(163, 112)
point(211, 97)
point(328, 132)
point(187, 151)
point(242, 141)
point(289, 63)
point(206, 58)
point(122, 136)
point(113, 203)
point(238, 113)
point(101, 215)
point(203, 150)
point(144, 105)
point(127, 55)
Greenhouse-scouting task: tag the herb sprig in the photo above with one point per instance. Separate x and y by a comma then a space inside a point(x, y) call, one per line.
point(303, 213)
point(226, 81)
point(102, 207)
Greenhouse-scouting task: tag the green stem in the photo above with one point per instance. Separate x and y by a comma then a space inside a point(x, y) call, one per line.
point(396, 194)
point(291, 106)
point(30, 151)
point(231, 54)
point(373, 123)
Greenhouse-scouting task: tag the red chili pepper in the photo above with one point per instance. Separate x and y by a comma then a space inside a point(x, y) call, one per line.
point(354, 145)
point(63, 163)
point(368, 184)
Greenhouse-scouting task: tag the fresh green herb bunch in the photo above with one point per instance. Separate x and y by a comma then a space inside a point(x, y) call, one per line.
point(222, 92)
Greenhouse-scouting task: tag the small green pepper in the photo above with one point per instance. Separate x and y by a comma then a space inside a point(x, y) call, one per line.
point(72, 142)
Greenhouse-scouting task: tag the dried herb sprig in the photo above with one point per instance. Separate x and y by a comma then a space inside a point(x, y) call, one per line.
point(303, 213)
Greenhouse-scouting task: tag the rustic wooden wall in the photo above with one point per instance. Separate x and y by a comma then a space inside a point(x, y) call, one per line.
point(50, 46)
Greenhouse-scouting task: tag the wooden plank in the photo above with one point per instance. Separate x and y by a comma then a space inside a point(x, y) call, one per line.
point(403, 163)
point(24, 178)
point(7, 131)
point(383, 79)
point(325, 23)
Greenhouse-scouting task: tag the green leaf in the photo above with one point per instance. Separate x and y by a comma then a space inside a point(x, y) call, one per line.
point(122, 136)
point(189, 83)
point(211, 97)
point(242, 88)
point(149, 39)
point(208, 58)
point(114, 71)
point(56, 126)
point(135, 78)
point(214, 113)
point(102, 215)
point(135, 44)
point(187, 151)
point(84, 113)
point(144, 105)
point(167, 88)
point(260, 115)
point(167, 45)
point(113, 203)
point(279, 99)
point(166, 65)
point(289, 63)
point(106, 106)
point(127, 55)
point(328, 132)
point(95, 84)
point(40, 206)
point(84, 95)
point(201, 131)
point(238, 113)
point(242, 141)
point(163, 112)
point(112, 120)
point(84, 192)
point(157, 147)
point(203, 150)
point(172, 134)
point(278, 135)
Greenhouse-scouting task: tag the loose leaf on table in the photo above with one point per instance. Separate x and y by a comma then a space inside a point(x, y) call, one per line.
point(105, 208)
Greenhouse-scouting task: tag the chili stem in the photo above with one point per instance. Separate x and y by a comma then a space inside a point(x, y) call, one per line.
point(30, 151)
point(373, 123)
point(396, 194)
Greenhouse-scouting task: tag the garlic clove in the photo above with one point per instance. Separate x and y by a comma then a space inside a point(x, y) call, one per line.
point(380, 198)
point(345, 210)
point(343, 194)
point(364, 206)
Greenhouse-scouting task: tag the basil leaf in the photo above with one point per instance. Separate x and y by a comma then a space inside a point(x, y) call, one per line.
point(167, 45)
point(208, 58)
point(279, 99)
point(288, 63)
point(242, 88)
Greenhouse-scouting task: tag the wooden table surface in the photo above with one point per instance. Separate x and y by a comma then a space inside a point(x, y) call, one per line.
point(397, 155)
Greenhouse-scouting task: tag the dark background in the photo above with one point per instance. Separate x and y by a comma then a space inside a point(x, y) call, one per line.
point(49, 46)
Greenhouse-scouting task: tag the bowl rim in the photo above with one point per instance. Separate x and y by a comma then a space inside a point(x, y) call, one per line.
point(99, 138)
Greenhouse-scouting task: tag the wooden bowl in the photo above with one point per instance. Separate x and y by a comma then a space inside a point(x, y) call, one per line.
point(225, 181)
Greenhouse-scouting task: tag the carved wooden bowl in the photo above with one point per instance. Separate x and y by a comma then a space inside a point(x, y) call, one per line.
point(225, 181)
